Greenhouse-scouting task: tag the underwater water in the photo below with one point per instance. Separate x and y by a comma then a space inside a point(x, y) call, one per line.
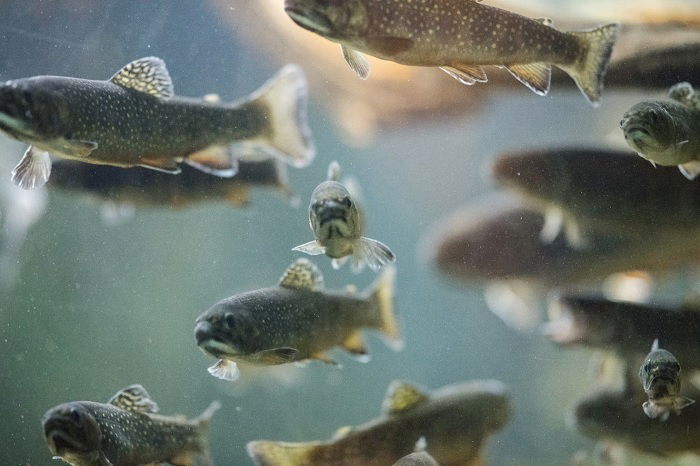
point(99, 303)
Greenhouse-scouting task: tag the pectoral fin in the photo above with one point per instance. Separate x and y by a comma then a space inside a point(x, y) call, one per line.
point(161, 165)
point(356, 61)
point(74, 148)
point(33, 170)
point(681, 402)
point(225, 370)
point(389, 45)
point(276, 356)
point(215, 160)
point(371, 252)
point(312, 248)
point(652, 410)
point(466, 74)
point(690, 170)
point(536, 76)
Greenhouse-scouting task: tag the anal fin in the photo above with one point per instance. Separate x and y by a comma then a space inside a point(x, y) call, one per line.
point(466, 74)
point(215, 160)
point(691, 169)
point(355, 344)
point(536, 76)
point(161, 165)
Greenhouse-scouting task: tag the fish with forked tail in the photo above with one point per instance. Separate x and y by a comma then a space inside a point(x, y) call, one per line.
point(337, 223)
point(667, 132)
point(135, 119)
point(296, 320)
point(453, 421)
point(460, 37)
point(126, 431)
point(660, 374)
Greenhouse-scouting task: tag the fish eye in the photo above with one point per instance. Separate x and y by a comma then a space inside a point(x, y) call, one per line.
point(74, 416)
point(230, 320)
point(647, 367)
point(346, 201)
point(676, 366)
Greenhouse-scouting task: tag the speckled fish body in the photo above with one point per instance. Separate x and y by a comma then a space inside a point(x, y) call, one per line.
point(420, 458)
point(602, 190)
point(667, 132)
point(142, 187)
point(125, 432)
point(460, 35)
point(295, 321)
point(134, 119)
point(454, 421)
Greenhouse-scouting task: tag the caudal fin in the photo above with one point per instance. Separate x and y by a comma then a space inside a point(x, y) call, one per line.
point(589, 70)
point(284, 98)
point(382, 293)
point(265, 453)
point(199, 452)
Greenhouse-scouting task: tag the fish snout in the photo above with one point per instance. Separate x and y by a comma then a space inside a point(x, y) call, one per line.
point(308, 17)
point(202, 332)
point(332, 213)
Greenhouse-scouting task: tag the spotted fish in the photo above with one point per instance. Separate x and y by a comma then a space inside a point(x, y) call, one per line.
point(135, 119)
point(337, 223)
point(454, 422)
point(126, 431)
point(460, 37)
point(296, 320)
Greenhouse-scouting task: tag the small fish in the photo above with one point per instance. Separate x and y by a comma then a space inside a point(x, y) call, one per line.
point(455, 421)
point(576, 189)
point(125, 431)
point(142, 187)
point(661, 378)
point(667, 132)
point(294, 321)
point(135, 119)
point(337, 224)
point(460, 37)
point(624, 328)
point(420, 458)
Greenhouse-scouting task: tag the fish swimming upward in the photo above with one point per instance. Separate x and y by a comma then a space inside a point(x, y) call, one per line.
point(460, 37)
point(126, 431)
point(454, 422)
point(296, 320)
point(667, 132)
point(135, 119)
point(337, 223)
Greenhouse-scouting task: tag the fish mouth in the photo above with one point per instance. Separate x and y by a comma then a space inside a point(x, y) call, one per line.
point(14, 127)
point(211, 343)
point(59, 442)
point(308, 18)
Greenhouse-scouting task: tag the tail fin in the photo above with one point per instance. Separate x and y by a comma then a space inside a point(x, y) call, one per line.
point(284, 98)
point(589, 70)
point(381, 292)
point(265, 453)
point(203, 421)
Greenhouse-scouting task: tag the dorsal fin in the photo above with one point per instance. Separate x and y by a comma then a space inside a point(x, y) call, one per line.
point(148, 75)
point(655, 345)
point(302, 275)
point(334, 171)
point(134, 398)
point(402, 396)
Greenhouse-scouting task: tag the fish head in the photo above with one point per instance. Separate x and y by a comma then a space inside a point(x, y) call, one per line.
point(333, 214)
point(652, 129)
point(32, 109)
point(333, 19)
point(660, 374)
point(606, 415)
point(227, 330)
point(71, 431)
point(539, 175)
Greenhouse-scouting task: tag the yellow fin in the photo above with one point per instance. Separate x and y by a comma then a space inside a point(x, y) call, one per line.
point(148, 75)
point(355, 344)
point(323, 357)
point(466, 74)
point(402, 396)
point(215, 160)
point(536, 76)
point(161, 165)
point(342, 432)
point(382, 293)
point(280, 453)
point(302, 275)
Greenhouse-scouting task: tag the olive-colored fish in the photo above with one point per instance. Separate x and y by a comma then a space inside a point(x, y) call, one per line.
point(134, 119)
point(126, 431)
point(455, 421)
point(337, 223)
point(142, 187)
point(615, 416)
point(660, 375)
point(584, 190)
point(420, 458)
point(460, 37)
point(295, 320)
point(625, 329)
point(667, 132)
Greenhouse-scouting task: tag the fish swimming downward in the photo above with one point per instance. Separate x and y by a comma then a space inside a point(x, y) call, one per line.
point(454, 422)
point(337, 223)
point(660, 376)
point(667, 132)
point(460, 37)
point(135, 119)
point(126, 431)
point(294, 321)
